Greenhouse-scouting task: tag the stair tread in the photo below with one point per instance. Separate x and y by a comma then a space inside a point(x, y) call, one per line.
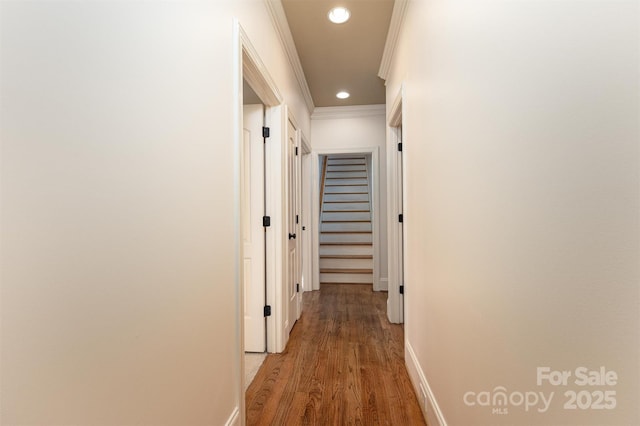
point(345, 271)
point(345, 201)
point(346, 221)
point(346, 256)
point(345, 193)
point(345, 232)
point(343, 243)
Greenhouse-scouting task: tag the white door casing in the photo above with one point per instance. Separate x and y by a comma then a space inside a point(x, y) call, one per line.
point(395, 301)
point(252, 210)
point(399, 204)
point(305, 215)
point(292, 278)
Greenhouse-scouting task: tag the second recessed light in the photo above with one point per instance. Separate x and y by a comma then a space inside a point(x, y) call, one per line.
point(342, 95)
point(339, 15)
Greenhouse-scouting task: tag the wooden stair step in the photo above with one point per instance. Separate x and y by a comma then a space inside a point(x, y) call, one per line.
point(345, 243)
point(345, 193)
point(345, 232)
point(346, 256)
point(345, 201)
point(346, 211)
point(345, 221)
point(346, 271)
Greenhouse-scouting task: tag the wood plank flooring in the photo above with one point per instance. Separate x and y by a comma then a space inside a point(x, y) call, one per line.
point(343, 365)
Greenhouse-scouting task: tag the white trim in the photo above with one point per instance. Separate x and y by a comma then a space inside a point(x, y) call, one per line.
point(433, 416)
point(395, 302)
point(255, 73)
point(276, 118)
point(238, 247)
point(395, 114)
point(329, 113)
point(280, 23)
point(384, 284)
point(397, 18)
point(234, 419)
point(375, 173)
point(306, 213)
point(304, 143)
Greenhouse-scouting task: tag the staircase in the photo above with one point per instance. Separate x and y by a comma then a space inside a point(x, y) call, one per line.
point(346, 248)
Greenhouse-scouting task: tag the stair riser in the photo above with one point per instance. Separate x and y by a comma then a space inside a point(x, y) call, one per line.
point(346, 263)
point(347, 278)
point(345, 206)
point(346, 197)
point(341, 238)
point(345, 216)
point(361, 189)
point(347, 174)
point(339, 161)
point(347, 168)
point(346, 250)
point(346, 226)
point(348, 182)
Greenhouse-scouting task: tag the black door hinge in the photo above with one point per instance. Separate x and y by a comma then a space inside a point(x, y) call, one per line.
point(297, 288)
point(400, 218)
point(400, 147)
point(297, 219)
point(267, 311)
point(402, 289)
point(296, 150)
point(266, 221)
point(265, 132)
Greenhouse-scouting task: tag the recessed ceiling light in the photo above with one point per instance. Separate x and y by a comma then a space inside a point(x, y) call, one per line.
point(339, 15)
point(342, 95)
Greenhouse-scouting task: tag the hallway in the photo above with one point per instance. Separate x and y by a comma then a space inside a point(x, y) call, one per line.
point(343, 365)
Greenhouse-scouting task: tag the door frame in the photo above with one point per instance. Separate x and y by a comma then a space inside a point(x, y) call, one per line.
point(254, 187)
point(305, 213)
point(396, 241)
point(315, 208)
point(248, 66)
point(282, 336)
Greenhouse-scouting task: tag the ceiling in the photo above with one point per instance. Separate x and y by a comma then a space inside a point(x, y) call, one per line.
point(337, 57)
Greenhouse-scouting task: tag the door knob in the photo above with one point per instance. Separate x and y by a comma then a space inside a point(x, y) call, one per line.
point(292, 236)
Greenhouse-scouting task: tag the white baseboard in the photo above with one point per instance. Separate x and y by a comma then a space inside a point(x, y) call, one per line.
point(384, 284)
point(234, 419)
point(430, 408)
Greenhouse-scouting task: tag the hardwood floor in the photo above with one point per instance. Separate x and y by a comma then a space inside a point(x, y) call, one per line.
point(343, 365)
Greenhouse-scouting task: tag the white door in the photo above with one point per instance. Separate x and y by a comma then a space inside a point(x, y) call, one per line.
point(292, 281)
point(252, 210)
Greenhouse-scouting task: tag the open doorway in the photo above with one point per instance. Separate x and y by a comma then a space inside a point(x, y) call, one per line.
point(346, 232)
point(259, 107)
point(267, 189)
point(253, 209)
point(347, 217)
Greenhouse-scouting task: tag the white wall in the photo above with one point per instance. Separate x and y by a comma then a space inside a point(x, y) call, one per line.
point(119, 235)
point(352, 128)
point(522, 202)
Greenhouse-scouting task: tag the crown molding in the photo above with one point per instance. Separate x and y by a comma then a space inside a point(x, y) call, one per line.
point(397, 18)
point(330, 113)
point(279, 20)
